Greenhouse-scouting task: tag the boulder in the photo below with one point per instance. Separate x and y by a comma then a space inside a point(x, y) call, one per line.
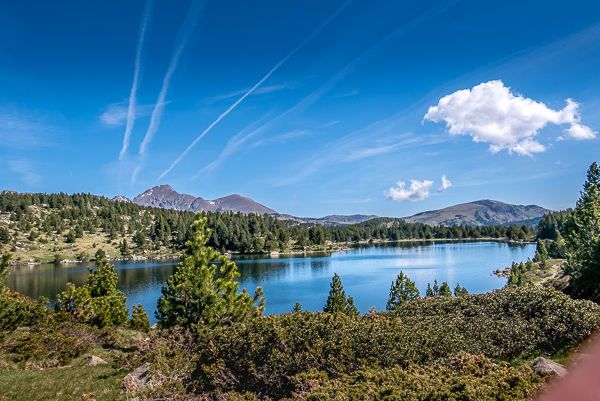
point(94, 360)
point(138, 379)
point(544, 367)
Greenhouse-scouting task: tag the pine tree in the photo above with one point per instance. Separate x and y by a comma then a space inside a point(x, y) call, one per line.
point(139, 318)
point(445, 290)
point(197, 293)
point(436, 289)
point(541, 255)
point(337, 301)
point(582, 239)
point(429, 291)
point(98, 302)
point(402, 291)
point(297, 308)
point(4, 264)
point(460, 291)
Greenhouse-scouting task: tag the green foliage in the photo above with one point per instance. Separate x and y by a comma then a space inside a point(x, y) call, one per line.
point(48, 347)
point(403, 290)
point(552, 223)
point(139, 318)
point(124, 249)
point(70, 237)
point(467, 377)
point(100, 254)
point(198, 293)
point(337, 301)
point(557, 249)
point(517, 276)
point(582, 239)
point(4, 264)
point(541, 255)
point(460, 291)
point(445, 290)
point(297, 307)
point(268, 356)
point(98, 302)
point(17, 310)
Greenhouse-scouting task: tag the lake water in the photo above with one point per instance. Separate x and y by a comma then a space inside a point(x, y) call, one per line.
point(366, 272)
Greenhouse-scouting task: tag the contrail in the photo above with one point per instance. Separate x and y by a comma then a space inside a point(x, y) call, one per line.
point(136, 75)
point(301, 45)
point(184, 36)
point(233, 144)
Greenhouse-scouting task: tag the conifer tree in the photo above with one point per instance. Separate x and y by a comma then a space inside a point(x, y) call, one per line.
point(460, 291)
point(402, 291)
point(582, 239)
point(197, 293)
point(297, 307)
point(429, 291)
point(98, 302)
point(337, 301)
point(4, 264)
point(445, 290)
point(541, 254)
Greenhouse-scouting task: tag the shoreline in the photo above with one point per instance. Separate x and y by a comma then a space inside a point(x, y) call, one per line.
point(337, 247)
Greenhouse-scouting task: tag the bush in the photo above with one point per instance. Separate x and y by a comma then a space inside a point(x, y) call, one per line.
point(266, 356)
point(17, 310)
point(48, 347)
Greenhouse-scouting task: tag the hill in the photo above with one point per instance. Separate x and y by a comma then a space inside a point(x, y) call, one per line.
point(481, 213)
point(163, 196)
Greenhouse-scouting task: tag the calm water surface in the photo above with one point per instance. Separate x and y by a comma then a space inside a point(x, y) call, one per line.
point(366, 272)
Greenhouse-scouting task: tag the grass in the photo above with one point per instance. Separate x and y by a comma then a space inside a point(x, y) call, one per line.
point(66, 383)
point(76, 381)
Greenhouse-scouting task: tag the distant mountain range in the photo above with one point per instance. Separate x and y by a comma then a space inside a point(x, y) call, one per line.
point(481, 213)
point(164, 196)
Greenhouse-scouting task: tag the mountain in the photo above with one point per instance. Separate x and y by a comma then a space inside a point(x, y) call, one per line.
point(164, 196)
point(332, 220)
point(121, 198)
point(481, 213)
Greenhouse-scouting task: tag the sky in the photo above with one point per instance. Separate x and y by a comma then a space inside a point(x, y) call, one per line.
point(310, 108)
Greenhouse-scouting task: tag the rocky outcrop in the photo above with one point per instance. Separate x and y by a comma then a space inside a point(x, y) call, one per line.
point(138, 379)
point(544, 367)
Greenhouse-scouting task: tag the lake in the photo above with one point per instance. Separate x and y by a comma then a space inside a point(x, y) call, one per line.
point(367, 272)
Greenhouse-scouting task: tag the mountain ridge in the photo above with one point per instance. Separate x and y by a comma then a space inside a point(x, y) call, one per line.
point(164, 196)
point(481, 213)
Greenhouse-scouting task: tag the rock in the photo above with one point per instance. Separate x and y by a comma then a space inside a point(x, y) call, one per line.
point(94, 360)
point(544, 367)
point(138, 379)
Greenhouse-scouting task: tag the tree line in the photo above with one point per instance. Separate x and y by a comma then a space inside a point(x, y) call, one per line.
point(135, 228)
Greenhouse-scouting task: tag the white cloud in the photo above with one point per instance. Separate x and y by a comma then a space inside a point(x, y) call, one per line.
point(578, 131)
point(445, 184)
point(418, 191)
point(491, 113)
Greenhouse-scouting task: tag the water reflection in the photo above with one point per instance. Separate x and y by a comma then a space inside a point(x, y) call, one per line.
point(366, 271)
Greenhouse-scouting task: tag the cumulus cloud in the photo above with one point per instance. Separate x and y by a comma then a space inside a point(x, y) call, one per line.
point(445, 184)
point(418, 191)
point(578, 131)
point(490, 113)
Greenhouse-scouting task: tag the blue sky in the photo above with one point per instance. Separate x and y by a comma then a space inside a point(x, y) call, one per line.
point(310, 108)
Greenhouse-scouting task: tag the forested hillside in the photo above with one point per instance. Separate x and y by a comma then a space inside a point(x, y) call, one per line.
point(55, 227)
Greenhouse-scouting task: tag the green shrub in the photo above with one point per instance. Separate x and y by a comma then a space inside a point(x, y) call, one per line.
point(139, 318)
point(17, 310)
point(48, 348)
point(266, 356)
